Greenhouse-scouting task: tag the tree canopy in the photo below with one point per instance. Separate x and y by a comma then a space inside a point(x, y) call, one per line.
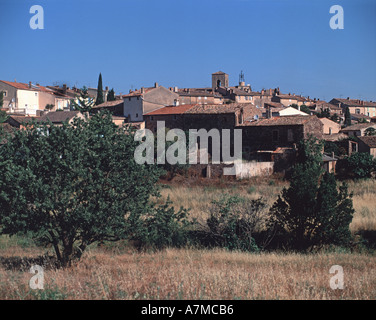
point(74, 184)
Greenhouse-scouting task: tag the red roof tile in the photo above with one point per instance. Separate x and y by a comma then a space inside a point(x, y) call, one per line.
point(171, 110)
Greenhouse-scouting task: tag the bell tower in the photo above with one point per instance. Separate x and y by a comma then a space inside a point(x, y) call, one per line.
point(219, 79)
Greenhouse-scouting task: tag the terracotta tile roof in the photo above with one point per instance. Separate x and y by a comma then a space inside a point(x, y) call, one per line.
point(274, 104)
point(287, 96)
point(136, 93)
point(21, 118)
point(17, 85)
point(219, 72)
point(110, 104)
point(181, 109)
point(280, 121)
point(356, 102)
point(58, 116)
point(24, 86)
point(370, 141)
point(358, 126)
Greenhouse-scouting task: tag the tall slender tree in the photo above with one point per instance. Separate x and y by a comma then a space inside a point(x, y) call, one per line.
point(347, 117)
point(100, 98)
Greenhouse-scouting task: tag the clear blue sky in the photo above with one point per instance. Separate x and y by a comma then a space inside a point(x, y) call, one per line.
point(285, 43)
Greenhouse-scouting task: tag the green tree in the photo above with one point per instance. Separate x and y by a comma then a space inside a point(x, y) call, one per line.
point(359, 165)
point(111, 95)
point(74, 184)
point(324, 113)
point(301, 210)
point(347, 117)
point(84, 103)
point(100, 98)
point(370, 132)
point(302, 108)
point(334, 213)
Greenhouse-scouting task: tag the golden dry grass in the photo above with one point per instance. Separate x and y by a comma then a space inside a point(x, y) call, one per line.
point(198, 198)
point(199, 274)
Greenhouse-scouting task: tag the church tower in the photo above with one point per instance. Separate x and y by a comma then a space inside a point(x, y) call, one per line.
point(219, 79)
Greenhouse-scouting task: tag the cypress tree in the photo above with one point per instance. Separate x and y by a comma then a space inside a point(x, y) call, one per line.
point(100, 98)
point(347, 117)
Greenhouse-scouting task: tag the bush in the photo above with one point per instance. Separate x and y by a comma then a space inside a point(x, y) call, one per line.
point(163, 227)
point(233, 222)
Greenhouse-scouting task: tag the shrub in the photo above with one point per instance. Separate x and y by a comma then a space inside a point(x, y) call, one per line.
point(163, 227)
point(312, 212)
point(232, 223)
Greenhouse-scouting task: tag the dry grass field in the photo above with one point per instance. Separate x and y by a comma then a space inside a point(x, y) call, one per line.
point(118, 272)
point(198, 198)
point(199, 274)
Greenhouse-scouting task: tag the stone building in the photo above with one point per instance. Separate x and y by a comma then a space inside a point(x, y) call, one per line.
point(279, 132)
point(139, 102)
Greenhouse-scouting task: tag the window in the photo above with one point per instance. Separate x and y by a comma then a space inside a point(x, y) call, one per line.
point(5, 93)
point(36, 94)
point(138, 97)
point(175, 117)
point(275, 135)
point(357, 111)
point(129, 98)
point(151, 118)
point(136, 115)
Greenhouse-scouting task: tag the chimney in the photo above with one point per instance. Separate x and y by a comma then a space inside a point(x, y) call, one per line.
point(106, 88)
point(142, 90)
point(269, 113)
point(175, 89)
point(176, 102)
point(64, 88)
point(156, 85)
point(29, 84)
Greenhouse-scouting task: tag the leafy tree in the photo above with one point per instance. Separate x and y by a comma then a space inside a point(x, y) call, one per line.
point(85, 104)
point(302, 210)
point(111, 95)
point(363, 120)
point(347, 117)
point(334, 117)
point(370, 132)
point(324, 113)
point(302, 108)
point(75, 184)
point(100, 98)
point(359, 165)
